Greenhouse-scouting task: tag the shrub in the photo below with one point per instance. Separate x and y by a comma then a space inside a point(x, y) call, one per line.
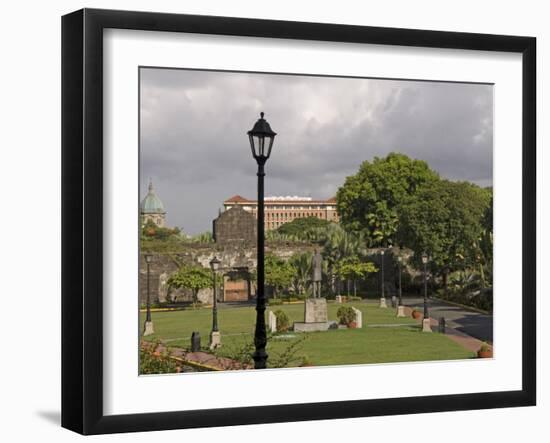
point(484, 347)
point(153, 362)
point(345, 315)
point(283, 322)
point(354, 298)
point(275, 302)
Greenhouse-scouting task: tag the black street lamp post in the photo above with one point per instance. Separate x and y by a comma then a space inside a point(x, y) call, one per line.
point(382, 294)
point(148, 327)
point(214, 265)
point(215, 339)
point(426, 320)
point(261, 139)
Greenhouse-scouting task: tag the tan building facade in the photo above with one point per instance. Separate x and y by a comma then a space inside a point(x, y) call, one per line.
point(280, 210)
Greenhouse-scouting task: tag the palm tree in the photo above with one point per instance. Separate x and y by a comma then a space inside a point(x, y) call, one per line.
point(302, 277)
point(340, 245)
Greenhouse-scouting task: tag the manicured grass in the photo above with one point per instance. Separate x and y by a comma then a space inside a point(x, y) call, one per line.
point(370, 344)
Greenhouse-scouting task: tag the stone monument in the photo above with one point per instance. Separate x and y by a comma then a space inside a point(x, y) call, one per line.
point(163, 287)
point(315, 316)
point(272, 322)
point(358, 317)
point(215, 340)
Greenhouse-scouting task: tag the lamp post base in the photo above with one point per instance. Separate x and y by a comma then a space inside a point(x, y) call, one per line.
point(215, 340)
point(426, 325)
point(383, 303)
point(148, 328)
point(401, 311)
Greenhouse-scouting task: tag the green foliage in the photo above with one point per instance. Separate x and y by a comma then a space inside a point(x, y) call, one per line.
point(203, 237)
point(151, 231)
point(300, 226)
point(444, 219)
point(278, 273)
point(283, 323)
point(302, 271)
point(152, 362)
point(192, 277)
point(368, 201)
point(352, 269)
point(345, 315)
point(288, 356)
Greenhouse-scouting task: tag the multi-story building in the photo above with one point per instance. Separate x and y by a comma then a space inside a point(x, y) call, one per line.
point(280, 210)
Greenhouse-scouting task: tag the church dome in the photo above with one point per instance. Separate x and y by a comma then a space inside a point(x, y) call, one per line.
point(151, 204)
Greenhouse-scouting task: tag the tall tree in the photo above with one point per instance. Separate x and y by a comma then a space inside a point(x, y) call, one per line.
point(353, 269)
point(278, 273)
point(445, 221)
point(191, 277)
point(368, 201)
point(302, 271)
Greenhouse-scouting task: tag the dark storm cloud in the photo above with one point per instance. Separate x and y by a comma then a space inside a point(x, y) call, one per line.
point(194, 144)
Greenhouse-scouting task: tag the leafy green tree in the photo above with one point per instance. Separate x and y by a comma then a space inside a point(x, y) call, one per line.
point(485, 244)
point(340, 245)
point(151, 231)
point(278, 273)
point(353, 269)
point(444, 219)
point(300, 226)
point(193, 277)
point(368, 201)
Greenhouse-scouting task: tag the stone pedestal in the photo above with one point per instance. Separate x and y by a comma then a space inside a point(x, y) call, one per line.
point(401, 311)
point(358, 317)
point(315, 310)
point(271, 322)
point(215, 340)
point(426, 325)
point(383, 303)
point(315, 316)
point(148, 328)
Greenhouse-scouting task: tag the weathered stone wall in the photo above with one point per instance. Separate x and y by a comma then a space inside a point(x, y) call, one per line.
point(231, 256)
point(235, 226)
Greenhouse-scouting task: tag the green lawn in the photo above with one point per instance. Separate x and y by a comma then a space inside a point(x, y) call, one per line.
point(374, 344)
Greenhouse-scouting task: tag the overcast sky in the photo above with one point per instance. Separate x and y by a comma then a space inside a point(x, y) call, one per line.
point(195, 148)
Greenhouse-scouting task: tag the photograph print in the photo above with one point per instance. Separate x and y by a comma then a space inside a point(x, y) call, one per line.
point(299, 221)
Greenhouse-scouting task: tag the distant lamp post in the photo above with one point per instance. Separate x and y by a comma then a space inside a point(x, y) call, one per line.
point(426, 319)
point(261, 142)
point(148, 327)
point(382, 295)
point(400, 307)
point(215, 337)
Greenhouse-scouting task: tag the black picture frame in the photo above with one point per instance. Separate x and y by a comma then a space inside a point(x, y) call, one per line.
point(82, 219)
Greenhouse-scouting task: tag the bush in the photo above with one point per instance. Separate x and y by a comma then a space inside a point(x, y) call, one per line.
point(274, 302)
point(354, 298)
point(345, 315)
point(153, 362)
point(283, 323)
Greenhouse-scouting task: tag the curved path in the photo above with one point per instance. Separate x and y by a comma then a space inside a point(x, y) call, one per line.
point(463, 319)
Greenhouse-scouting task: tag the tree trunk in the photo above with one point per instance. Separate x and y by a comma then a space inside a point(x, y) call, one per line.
point(445, 281)
point(354, 288)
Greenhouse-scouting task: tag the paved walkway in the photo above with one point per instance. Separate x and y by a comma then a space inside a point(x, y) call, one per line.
point(466, 341)
point(467, 321)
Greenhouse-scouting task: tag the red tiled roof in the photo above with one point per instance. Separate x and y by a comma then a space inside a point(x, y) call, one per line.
point(240, 199)
point(237, 198)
